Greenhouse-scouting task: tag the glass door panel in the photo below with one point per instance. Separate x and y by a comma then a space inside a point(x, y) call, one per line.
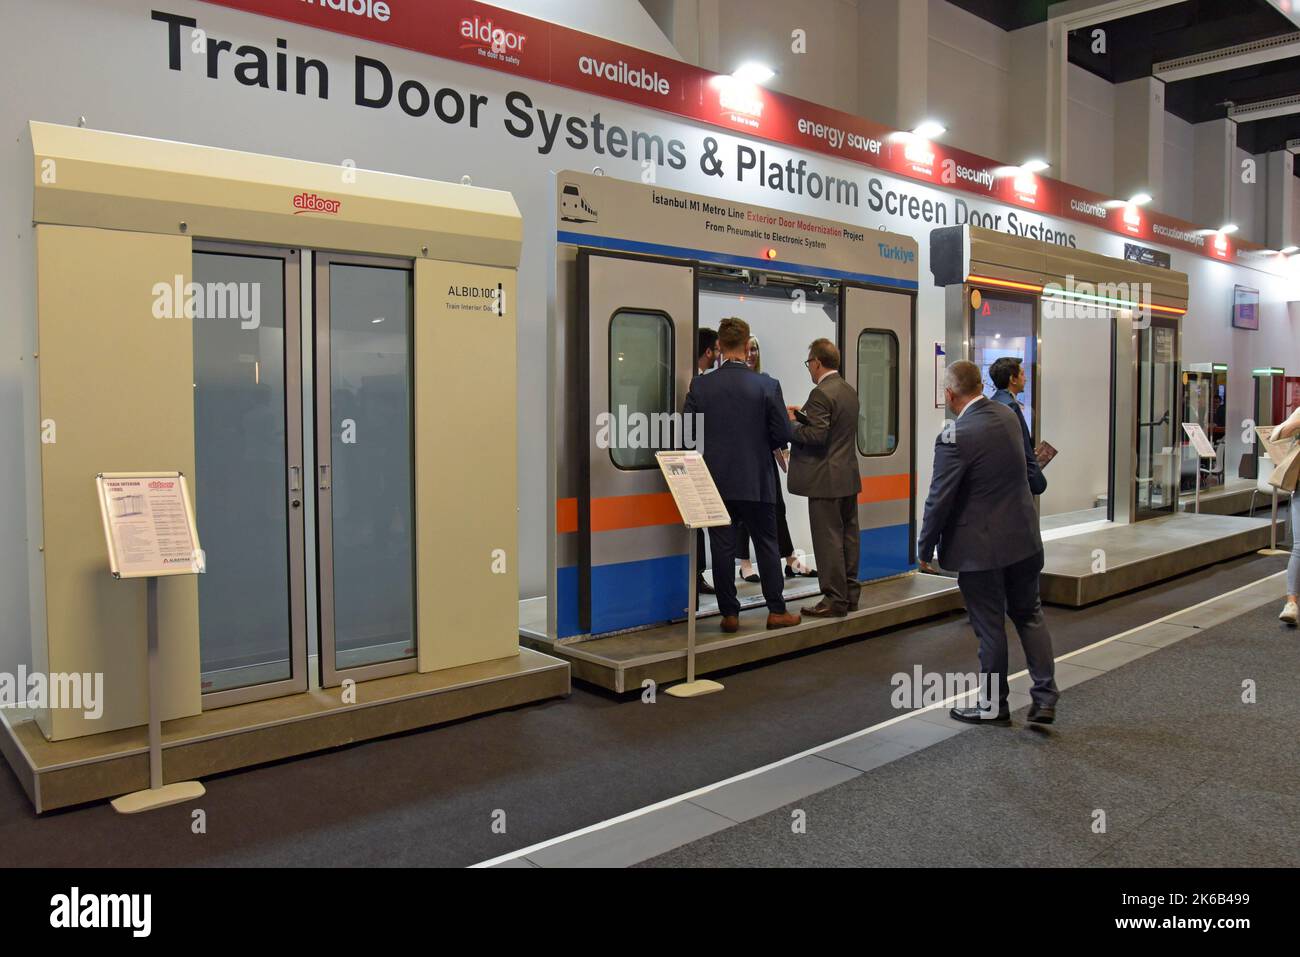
point(365, 467)
point(248, 473)
point(1003, 325)
point(1159, 428)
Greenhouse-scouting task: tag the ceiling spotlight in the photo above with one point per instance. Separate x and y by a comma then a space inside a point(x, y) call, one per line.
point(753, 72)
point(1035, 166)
point(1228, 229)
point(1140, 199)
point(930, 130)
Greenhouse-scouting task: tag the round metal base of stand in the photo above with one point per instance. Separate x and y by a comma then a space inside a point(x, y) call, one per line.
point(693, 689)
point(1272, 551)
point(176, 793)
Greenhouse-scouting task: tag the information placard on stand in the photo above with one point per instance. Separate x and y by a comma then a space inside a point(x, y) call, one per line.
point(700, 506)
point(1204, 450)
point(150, 532)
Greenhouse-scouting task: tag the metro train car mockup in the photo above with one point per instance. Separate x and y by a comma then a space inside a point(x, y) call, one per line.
point(628, 305)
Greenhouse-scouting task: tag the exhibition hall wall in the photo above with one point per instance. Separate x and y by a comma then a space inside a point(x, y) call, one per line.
point(108, 60)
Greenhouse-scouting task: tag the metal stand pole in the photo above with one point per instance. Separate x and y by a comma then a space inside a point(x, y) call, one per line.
point(155, 689)
point(158, 794)
point(692, 687)
point(690, 609)
point(1198, 485)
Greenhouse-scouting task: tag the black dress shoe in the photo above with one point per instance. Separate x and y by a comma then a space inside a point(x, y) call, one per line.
point(978, 716)
point(703, 587)
point(1041, 713)
point(751, 578)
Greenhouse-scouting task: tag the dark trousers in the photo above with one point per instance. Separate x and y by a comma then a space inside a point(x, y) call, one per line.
point(991, 597)
point(700, 562)
point(834, 523)
point(760, 520)
point(784, 545)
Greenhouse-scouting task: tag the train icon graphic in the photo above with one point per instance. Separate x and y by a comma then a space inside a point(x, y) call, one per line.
point(573, 208)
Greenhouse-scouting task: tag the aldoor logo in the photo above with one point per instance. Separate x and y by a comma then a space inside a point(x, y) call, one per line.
point(486, 35)
point(739, 101)
point(74, 910)
point(1025, 186)
point(311, 203)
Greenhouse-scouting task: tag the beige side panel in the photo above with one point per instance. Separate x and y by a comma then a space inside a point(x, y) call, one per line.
point(465, 464)
point(119, 387)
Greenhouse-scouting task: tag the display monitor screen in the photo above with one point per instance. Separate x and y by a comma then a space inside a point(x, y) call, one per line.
point(1245, 308)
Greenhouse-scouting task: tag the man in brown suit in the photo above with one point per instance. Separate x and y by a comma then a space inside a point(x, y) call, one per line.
point(824, 467)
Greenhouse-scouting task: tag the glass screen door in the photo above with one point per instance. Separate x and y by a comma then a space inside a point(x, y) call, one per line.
point(364, 467)
point(1159, 427)
point(248, 472)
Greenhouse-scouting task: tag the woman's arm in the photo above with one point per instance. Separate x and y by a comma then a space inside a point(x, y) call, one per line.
point(1288, 428)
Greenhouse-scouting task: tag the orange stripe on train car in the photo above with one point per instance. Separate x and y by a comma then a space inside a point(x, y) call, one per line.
point(618, 512)
point(633, 511)
point(566, 515)
point(885, 488)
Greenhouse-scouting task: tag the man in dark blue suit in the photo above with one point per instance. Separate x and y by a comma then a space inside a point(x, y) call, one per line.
point(744, 422)
point(1009, 380)
point(980, 515)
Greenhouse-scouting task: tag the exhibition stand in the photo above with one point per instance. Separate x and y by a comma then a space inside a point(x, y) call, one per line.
point(241, 301)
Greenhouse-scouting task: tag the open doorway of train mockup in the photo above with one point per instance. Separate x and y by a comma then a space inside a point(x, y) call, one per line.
point(1065, 351)
point(785, 315)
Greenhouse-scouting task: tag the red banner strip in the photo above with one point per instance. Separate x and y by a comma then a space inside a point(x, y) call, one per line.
point(520, 45)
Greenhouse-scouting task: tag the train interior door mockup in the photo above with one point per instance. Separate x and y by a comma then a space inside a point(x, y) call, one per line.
point(877, 357)
point(293, 575)
point(636, 335)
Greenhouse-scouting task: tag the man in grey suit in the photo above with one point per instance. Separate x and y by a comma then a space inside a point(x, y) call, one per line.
point(824, 467)
point(980, 514)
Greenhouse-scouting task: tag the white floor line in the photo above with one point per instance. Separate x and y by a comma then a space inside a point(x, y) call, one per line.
point(687, 796)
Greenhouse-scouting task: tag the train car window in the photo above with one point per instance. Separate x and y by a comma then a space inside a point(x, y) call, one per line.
point(877, 392)
point(640, 386)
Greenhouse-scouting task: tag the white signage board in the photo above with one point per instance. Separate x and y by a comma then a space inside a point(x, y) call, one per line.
point(694, 493)
point(148, 524)
point(1200, 441)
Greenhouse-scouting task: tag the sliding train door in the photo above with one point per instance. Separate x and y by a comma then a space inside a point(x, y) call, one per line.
point(636, 334)
point(878, 358)
point(365, 450)
point(248, 491)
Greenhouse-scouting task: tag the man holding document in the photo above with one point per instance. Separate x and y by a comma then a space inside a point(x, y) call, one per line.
point(1008, 377)
point(824, 467)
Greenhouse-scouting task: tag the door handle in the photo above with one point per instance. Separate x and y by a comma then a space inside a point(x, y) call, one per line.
point(295, 478)
point(324, 482)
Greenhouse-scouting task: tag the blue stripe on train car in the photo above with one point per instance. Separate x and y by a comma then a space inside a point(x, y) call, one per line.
point(625, 594)
point(883, 552)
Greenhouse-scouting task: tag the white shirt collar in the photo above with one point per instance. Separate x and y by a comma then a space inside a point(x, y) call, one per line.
point(828, 372)
point(970, 403)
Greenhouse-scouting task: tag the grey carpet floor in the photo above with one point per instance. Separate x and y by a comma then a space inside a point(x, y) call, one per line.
point(1184, 772)
point(431, 797)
